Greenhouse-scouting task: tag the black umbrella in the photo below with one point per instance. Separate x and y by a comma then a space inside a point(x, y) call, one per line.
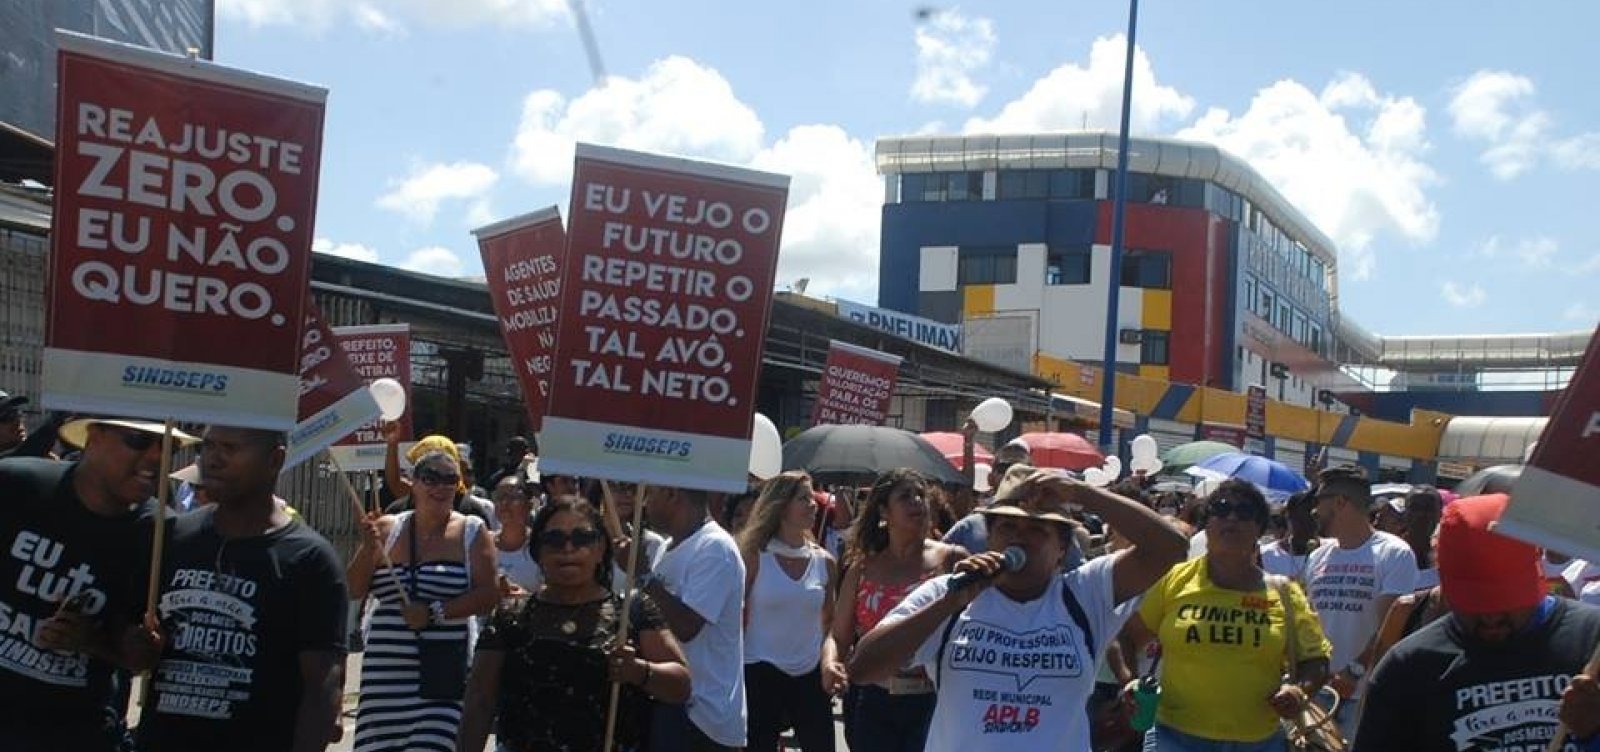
point(1490, 480)
point(836, 454)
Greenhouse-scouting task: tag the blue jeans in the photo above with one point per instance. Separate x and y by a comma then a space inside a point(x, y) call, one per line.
point(881, 722)
point(1166, 739)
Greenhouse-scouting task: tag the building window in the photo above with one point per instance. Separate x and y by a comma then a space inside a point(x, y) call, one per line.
point(1151, 270)
point(1153, 348)
point(1023, 184)
point(1068, 266)
point(1316, 339)
point(1285, 317)
point(941, 186)
point(1264, 308)
point(1067, 184)
point(986, 265)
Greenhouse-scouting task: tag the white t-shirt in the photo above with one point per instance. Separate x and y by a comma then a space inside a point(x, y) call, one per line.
point(1276, 559)
point(707, 574)
point(1016, 676)
point(519, 567)
point(1345, 584)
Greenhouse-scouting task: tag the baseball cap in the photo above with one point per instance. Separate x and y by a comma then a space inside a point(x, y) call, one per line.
point(1481, 571)
point(9, 402)
point(76, 432)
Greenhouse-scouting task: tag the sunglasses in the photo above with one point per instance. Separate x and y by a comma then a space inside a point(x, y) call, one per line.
point(1243, 510)
point(557, 540)
point(436, 478)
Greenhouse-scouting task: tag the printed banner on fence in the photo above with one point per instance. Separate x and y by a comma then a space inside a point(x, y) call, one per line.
point(666, 292)
point(180, 241)
point(1556, 502)
point(855, 386)
point(375, 352)
point(522, 263)
point(334, 400)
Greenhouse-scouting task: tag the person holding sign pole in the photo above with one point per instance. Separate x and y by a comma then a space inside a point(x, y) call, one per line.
point(413, 675)
point(1015, 663)
point(252, 614)
point(546, 660)
point(699, 587)
point(73, 584)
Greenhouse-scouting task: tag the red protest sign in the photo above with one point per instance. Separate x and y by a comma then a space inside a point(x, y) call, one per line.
point(334, 400)
point(856, 386)
point(1556, 502)
point(665, 298)
point(522, 263)
point(381, 351)
point(184, 199)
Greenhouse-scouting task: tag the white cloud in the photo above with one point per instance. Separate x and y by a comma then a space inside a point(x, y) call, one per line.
point(355, 251)
point(1534, 253)
point(1500, 109)
point(435, 260)
point(950, 48)
point(389, 17)
point(1351, 159)
point(1470, 296)
point(1072, 97)
point(830, 230)
point(420, 194)
point(677, 107)
point(1589, 267)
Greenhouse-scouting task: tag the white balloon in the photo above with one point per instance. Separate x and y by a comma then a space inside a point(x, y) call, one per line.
point(1146, 465)
point(1113, 467)
point(980, 477)
point(1096, 477)
point(766, 449)
point(391, 398)
point(992, 415)
point(1145, 446)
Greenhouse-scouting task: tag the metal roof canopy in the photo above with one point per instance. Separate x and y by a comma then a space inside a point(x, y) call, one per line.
point(1489, 439)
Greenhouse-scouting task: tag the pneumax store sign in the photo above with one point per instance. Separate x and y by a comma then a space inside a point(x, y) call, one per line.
point(915, 328)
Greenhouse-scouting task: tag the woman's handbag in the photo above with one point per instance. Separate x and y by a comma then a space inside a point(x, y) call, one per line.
point(1314, 728)
point(441, 663)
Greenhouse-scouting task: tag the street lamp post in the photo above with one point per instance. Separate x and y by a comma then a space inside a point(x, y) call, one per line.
point(1108, 376)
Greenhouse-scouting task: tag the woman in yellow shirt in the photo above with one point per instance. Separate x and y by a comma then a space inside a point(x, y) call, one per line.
point(1223, 636)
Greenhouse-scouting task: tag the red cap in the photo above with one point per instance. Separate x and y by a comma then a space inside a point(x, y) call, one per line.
point(1483, 572)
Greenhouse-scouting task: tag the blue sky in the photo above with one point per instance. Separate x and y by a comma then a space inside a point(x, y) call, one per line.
point(1451, 149)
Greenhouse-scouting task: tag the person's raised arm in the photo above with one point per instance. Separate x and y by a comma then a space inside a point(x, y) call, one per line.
point(399, 485)
point(321, 696)
point(894, 642)
point(1157, 545)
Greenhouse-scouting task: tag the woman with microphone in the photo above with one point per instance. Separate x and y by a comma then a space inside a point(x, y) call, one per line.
point(1014, 664)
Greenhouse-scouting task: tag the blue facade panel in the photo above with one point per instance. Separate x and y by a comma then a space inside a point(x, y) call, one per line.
point(1397, 406)
point(907, 228)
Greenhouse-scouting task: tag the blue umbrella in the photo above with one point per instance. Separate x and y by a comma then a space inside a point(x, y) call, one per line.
point(1275, 479)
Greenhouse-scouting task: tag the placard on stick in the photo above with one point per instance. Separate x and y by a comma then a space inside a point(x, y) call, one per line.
point(665, 299)
point(375, 352)
point(522, 259)
point(1556, 501)
point(185, 196)
point(856, 386)
point(334, 400)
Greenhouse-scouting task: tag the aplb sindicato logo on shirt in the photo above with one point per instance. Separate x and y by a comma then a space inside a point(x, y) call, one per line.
point(42, 575)
point(211, 621)
point(1516, 715)
point(1014, 706)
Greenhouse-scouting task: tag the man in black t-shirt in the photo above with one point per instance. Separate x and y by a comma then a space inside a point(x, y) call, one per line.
point(252, 612)
point(1496, 673)
point(76, 539)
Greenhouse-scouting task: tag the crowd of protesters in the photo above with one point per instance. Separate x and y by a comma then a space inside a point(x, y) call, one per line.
point(1026, 610)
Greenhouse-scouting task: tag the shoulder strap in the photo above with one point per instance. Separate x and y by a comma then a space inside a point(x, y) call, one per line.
point(1291, 646)
point(1078, 617)
point(944, 639)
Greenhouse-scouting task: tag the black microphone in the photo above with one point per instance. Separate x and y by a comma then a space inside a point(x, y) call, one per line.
point(1016, 559)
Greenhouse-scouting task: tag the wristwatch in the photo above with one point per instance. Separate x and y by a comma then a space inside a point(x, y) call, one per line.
point(1356, 670)
point(435, 613)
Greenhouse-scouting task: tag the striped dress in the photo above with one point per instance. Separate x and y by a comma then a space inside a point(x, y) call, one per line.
point(391, 716)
